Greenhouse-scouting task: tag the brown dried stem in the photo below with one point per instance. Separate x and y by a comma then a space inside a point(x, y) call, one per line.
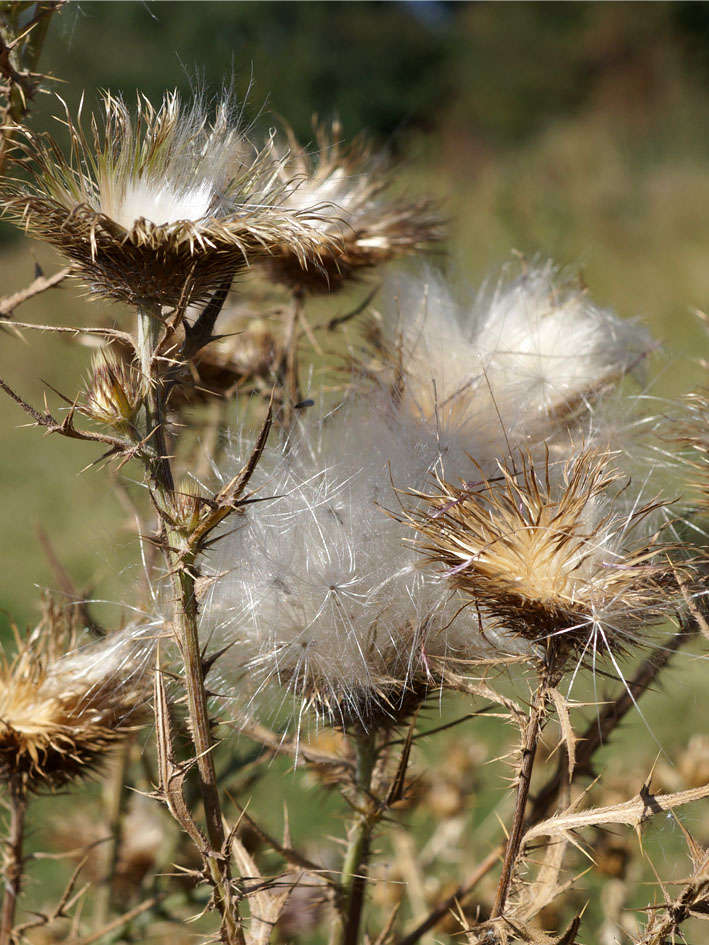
point(13, 866)
point(19, 54)
point(532, 731)
point(154, 333)
point(41, 284)
point(588, 744)
point(599, 730)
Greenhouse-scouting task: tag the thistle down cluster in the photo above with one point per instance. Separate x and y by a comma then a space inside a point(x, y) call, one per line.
point(478, 425)
point(164, 208)
point(474, 439)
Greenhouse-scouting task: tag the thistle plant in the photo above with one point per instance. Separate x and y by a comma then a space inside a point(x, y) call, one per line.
point(460, 519)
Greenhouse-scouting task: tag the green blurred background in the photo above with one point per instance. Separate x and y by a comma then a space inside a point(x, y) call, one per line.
point(576, 131)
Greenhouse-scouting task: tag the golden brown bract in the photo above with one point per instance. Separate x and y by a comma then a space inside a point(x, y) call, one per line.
point(61, 714)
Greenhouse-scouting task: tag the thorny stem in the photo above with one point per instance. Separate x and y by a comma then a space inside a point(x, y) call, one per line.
point(149, 329)
point(358, 843)
point(18, 62)
point(588, 743)
point(13, 861)
point(524, 780)
point(607, 720)
point(182, 566)
point(186, 614)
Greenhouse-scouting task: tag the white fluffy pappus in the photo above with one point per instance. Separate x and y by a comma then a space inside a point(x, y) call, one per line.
point(317, 591)
point(510, 368)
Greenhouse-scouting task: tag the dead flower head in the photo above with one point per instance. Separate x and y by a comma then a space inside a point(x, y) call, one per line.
point(553, 556)
point(61, 714)
point(345, 188)
point(150, 204)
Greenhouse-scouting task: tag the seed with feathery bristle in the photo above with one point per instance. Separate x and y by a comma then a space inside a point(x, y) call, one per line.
point(345, 188)
point(163, 202)
point(552, 553)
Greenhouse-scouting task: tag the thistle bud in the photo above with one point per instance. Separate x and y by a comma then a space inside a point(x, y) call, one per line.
point(113, 395)
point(187, 506)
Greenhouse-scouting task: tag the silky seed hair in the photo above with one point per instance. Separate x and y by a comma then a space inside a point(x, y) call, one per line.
point(315, 594)
point(317, 590)
point(519, 365)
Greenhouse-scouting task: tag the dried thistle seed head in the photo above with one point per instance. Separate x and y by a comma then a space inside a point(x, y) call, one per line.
point(114, 392)
point(552, 556)
point(155, 204)
point(225, 366)
point(345, 189)
point(255, 352)
point(61, 714)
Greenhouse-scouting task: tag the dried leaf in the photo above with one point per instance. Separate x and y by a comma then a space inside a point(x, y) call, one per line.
point(634, 812)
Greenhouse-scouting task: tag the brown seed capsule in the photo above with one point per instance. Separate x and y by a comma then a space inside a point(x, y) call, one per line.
point(548, 559)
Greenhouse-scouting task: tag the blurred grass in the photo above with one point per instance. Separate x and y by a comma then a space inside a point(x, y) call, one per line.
point(44, 480)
